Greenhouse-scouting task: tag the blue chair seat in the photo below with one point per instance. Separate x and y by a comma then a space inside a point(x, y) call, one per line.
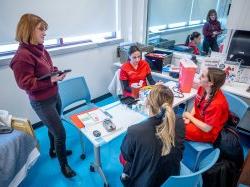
point(193, 179)
point(185, 170)
point(194, 152)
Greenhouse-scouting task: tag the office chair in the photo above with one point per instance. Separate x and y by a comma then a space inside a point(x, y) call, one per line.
point(194, 152)
point(193, 179)
point(75, 98)
point(236, 105)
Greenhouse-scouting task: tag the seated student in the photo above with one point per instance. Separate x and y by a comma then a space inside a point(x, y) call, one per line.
point(193, 40)
point(210, 111)
point(134, 71)
point(152, 150)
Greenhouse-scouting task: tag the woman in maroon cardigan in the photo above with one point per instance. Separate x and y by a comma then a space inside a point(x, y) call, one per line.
point(211, 30)
point(30, 62)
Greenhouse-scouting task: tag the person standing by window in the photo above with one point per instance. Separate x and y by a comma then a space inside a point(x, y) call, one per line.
point(211, 30)
point(30, 62)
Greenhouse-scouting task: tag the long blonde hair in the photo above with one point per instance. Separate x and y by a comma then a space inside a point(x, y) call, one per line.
point(161, 99)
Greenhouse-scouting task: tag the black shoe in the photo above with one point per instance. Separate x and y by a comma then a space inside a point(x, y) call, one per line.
point(67, 171)
point(52, 153)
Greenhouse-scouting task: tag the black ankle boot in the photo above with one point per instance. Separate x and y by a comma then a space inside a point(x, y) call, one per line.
point(52, 153)
point(67, 171)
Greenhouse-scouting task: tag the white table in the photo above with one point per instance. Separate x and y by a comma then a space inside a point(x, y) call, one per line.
point(119, 113)
point(122, 117)
point(236, 88)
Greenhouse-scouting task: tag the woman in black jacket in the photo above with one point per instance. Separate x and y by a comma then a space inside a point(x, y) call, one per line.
point(152, 150)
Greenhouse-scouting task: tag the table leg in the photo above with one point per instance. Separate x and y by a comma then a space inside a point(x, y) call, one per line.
point(96, 165)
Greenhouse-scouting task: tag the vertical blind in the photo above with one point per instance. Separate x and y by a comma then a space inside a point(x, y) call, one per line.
point(65, 18)
point(164, 12)
point(201, 8)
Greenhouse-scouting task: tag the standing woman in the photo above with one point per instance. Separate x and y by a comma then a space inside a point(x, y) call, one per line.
point(152, 150)
point(30, 62)
point(211, 30)
point(210, 111)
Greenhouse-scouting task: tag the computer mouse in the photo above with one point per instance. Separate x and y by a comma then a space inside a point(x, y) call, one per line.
point(96, 133)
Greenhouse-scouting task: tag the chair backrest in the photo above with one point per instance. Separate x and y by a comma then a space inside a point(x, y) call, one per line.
point(115, 86)
point(193, 179)
point(73, 90)
point(236, 104)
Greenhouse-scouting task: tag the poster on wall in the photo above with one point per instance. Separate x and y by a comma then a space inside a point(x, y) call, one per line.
point(244, 74)
point(231, 68)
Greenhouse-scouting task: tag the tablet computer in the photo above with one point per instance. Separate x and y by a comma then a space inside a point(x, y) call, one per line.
point(49, 75)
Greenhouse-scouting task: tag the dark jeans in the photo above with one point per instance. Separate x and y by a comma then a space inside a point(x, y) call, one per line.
point(49, 113)
point(211, 43)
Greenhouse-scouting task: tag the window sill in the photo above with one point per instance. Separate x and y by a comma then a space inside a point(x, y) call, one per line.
point(5, 60)
point(174, 30)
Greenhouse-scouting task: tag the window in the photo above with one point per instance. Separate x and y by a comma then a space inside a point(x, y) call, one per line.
point(201, 8)
point(169, 14)
point(70, 22)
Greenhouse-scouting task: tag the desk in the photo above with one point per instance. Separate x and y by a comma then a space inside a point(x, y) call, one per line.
point(234, 88)
point(237, 88)
point(122, 117)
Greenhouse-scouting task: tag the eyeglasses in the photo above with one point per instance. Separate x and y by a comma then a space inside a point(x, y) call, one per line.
point(177, 92)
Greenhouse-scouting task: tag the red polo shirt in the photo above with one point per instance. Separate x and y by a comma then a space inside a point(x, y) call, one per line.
point(195, 48)
point(132, 75)
point(215, 115)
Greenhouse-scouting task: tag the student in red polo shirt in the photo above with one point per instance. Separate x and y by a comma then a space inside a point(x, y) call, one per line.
point(193, 40)
point(134, 71)
point(210, 111)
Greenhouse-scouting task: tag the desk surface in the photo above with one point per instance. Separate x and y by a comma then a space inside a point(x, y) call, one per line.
point(123, 117)
point(237, 88)
point(234, 88)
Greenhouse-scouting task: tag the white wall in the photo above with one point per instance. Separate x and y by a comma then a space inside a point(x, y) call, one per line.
point(238, 18)
point(95, 64)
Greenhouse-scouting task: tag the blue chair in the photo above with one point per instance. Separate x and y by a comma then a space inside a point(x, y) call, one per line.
point(190, 179)
point(75, 98)
point(236, 105)
point(194, 152)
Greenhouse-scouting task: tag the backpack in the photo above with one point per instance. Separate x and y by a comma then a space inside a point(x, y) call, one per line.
point(227, 169)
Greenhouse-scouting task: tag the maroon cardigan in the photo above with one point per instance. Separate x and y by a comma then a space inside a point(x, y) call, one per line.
point(209, 28)
point(29, 63)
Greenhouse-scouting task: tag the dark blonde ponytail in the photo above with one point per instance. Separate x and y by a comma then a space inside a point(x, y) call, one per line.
point(161, 99)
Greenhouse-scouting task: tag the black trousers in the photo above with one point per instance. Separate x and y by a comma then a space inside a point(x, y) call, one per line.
point(207, 44)
point(49, 113)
